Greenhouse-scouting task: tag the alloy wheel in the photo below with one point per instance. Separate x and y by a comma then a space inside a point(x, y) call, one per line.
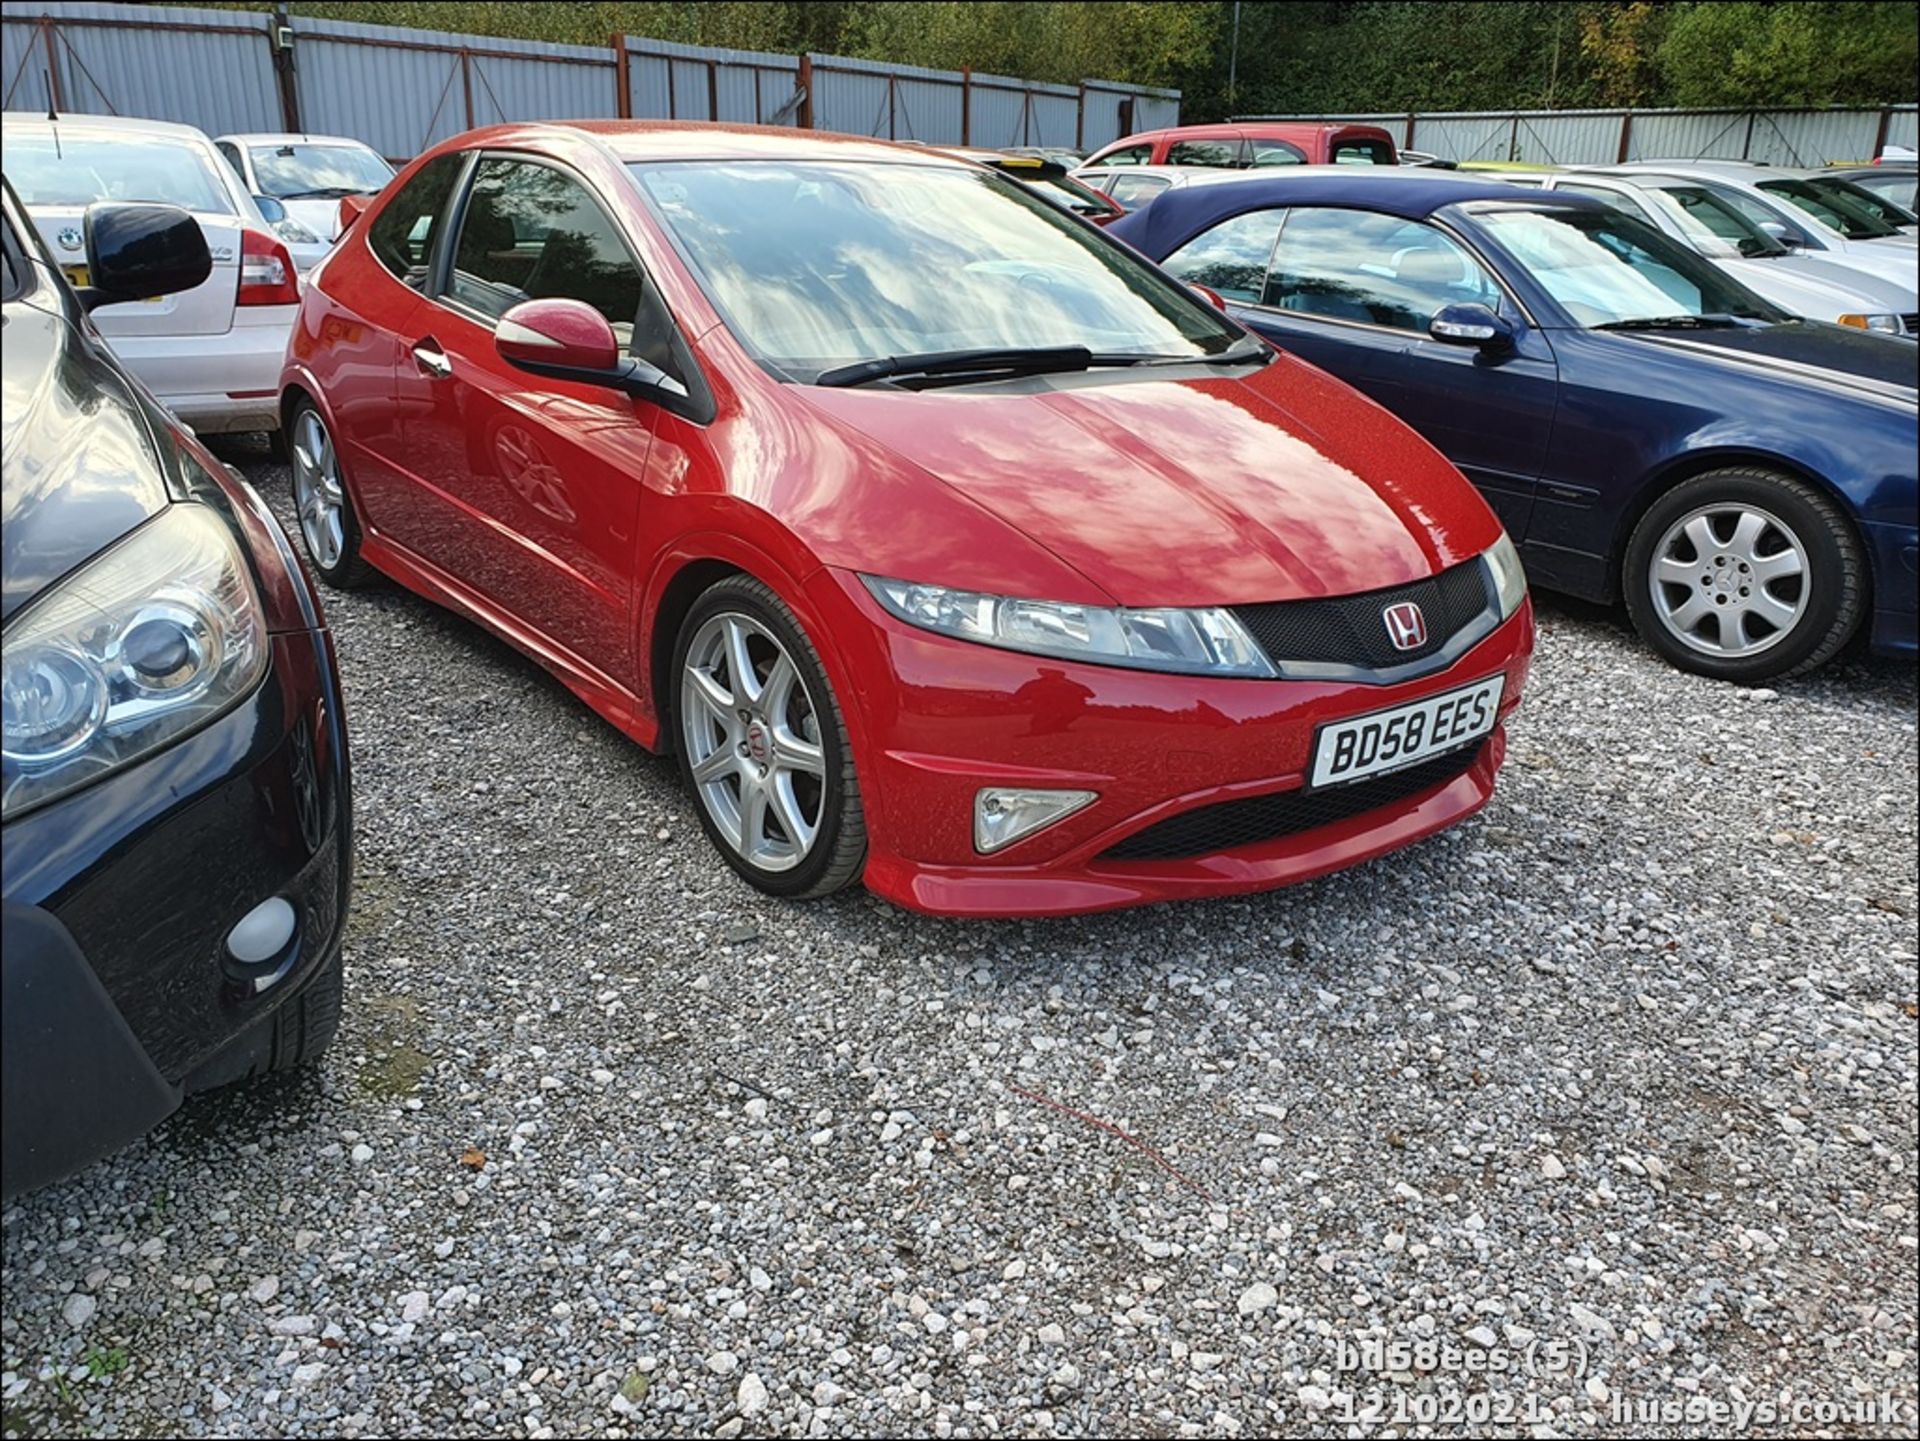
point(1729, 580)
point(317, 494)
point(752, 737)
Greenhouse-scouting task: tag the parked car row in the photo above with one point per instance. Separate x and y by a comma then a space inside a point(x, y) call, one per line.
point(948, 545)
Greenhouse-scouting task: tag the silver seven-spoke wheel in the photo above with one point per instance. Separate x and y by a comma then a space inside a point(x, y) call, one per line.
point(317, 494)
point(1729, 580)
point(752, 737)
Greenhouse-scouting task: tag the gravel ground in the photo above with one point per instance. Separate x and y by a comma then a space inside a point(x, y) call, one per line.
point(1610, 1090)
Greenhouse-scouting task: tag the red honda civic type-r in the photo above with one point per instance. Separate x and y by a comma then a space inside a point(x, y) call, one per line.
point(949, 544)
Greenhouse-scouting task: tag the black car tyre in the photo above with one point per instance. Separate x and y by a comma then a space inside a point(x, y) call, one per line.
point(329, 528)
point(1745, 575)
point(762, 744)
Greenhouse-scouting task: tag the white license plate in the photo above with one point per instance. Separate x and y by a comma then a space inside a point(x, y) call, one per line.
point(1390, 740)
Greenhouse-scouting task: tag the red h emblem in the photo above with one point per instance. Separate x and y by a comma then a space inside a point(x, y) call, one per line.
point(1406, 626)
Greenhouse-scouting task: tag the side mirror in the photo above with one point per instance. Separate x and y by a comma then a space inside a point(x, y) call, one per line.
point(1471, 324)
point(570, 340)
point(137, 252)
point(271, 210)
point(1212, 297)
point(352, 207)
point(1780, 233)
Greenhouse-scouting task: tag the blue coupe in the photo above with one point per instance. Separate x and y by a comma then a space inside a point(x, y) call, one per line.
point(1645, 426)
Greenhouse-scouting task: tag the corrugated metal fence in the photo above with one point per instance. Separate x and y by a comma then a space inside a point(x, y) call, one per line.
point(1608, 137)
point(403, 90)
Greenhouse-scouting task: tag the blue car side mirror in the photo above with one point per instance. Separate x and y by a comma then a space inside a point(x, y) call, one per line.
point(1471, 324)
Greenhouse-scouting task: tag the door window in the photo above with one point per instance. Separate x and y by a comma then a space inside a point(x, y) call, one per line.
point(1222, 154)
point(1230, 259)
point(403, 234)
point(1374, 269)
point(1132, 155)
point(531, 232)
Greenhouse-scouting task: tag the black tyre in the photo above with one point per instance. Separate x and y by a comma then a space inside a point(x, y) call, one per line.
point(762, 744)
point(329, 528)
point(1745, 575)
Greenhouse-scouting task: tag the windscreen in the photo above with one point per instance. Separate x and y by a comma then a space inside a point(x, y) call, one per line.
point(75, 168)
point(817, 265)
point(1604, 267)
point(318, 172)
point(1832, 209)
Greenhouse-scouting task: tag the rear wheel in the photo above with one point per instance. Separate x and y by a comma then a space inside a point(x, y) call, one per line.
point(762, 744)
point(1745, 575)
point(329, 529)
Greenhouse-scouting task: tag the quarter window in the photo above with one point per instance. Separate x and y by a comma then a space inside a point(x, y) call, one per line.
point(1222, 154)
point(1230, 259)
point(1275, 152)
point(1618, 199)
point(403, 234)
point(534, 233)
point(1133, 191)
point(1374, 269)
point(1132, 155)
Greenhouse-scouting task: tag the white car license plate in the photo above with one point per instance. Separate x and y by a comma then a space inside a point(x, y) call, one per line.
point(1389, 740)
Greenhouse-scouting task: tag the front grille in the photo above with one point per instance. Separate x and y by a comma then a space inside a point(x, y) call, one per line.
point(1910, 322)
point(1351, 629)
point(1231, 824)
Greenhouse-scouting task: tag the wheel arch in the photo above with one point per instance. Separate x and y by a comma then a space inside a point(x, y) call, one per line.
point(1688, 466)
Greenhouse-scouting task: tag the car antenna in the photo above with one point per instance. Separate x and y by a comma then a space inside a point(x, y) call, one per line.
point(52, 115)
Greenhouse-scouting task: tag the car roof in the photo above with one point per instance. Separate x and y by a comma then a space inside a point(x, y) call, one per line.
point(634, 141)
point(107, 124)
point(1412, 193)
point(289, 137)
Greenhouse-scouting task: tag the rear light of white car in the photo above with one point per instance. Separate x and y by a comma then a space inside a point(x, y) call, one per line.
point(267, 276)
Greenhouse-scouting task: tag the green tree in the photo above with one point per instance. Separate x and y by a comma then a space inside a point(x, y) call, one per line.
point(1738, 52)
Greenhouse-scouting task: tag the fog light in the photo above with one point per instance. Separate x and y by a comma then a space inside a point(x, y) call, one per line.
point(262, 933)
point(1002, 816)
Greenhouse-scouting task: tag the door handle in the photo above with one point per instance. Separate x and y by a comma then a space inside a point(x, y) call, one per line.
point(431, 359)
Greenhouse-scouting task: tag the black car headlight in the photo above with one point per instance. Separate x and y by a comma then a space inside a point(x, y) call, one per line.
point(145, 643)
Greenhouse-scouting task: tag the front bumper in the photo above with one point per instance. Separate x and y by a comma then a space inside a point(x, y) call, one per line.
point(1894, 551)
point(936, 719)
point(119, 899)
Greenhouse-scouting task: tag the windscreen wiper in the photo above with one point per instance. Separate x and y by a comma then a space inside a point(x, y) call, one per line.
point(1678, 322)
point(1039, 360)
point(326, 192)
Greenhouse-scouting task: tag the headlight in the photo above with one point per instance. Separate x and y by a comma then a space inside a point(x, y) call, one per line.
point(1885, 324)
point(1509, 579)
point(293, 231)
point(1209, 642)
point(147, 642)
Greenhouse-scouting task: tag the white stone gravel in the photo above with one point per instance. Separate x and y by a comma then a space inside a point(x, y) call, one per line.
point(1618, 1079)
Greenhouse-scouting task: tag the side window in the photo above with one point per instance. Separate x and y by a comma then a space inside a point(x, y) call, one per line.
point(1374, 269)
point(1232, 257)
point(1133, 191)
point(532, 232)
point(1362, 152)
point(1132, 155)
point(230, 153)
point(1618, 199)
point(403, 234)
point(1223, 154)
point(1276, 152)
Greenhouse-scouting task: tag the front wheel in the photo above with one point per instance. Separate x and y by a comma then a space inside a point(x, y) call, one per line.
point(762, 744)
point(1745, 575)
point(329, 527)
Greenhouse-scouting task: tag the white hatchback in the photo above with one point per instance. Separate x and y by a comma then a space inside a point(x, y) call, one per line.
point(308, 174)
point(212, 354)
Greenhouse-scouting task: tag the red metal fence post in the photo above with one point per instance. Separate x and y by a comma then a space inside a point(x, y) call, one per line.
point(966, 105)
point(466, 81)
point(622, 77)
point(805, 117)
point(57, 101)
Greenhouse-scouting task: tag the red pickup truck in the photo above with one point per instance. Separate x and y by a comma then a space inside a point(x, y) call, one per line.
point(1246, 144)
